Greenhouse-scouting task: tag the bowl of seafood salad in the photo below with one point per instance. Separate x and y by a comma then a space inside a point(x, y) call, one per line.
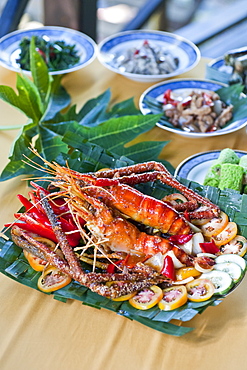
point(148, 56)
point(196, 108)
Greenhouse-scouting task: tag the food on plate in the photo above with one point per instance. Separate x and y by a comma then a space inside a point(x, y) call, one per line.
point(212, 177)
point(136, 247)
point(237, 59)
point(58, 55)
point(228, 171)
point(148, 59)
point(199, 111)
point(200, 290)
point(228, 155)
point(231, 177)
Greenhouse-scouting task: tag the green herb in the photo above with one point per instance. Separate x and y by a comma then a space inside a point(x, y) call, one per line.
point(57, 54)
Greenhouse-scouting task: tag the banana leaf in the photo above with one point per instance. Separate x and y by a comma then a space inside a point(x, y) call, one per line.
point(14, 265)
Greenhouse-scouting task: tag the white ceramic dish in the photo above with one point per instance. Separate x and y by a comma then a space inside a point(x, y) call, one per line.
point(183, 87)
point(10, 50)
point(196, 167)
point(186, 52)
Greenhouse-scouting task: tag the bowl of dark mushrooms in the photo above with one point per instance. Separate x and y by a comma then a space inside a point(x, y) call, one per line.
point(196, 108)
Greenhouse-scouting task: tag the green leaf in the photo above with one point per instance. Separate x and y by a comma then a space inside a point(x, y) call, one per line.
point(58, 99)
point(29, 98)
point(20, 147)
point(91, 112)
point(49, 144)
point(8, 95)
point(115, 132)
point(145, 151)
point(124, 108)
point(40, 75)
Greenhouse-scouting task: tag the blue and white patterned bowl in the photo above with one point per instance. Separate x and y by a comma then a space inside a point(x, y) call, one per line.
point(10, 50)
point(195, 168)
point(186, 52)
point(183, 87)
point(217, 70)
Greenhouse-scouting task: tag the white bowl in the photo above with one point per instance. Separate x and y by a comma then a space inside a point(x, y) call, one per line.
point(183, 87)
point(10, 49)
point(185, 51)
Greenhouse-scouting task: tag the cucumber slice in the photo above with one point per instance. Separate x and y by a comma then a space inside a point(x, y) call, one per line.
point(222, 281)
point(232, 269)
point(232, 258)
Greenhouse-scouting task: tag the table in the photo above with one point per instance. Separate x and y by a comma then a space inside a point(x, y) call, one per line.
point(38, 332)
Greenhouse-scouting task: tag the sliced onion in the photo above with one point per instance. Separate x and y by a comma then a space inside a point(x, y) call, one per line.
point(201, 269)
point(194, 228)
point(196, 240)
point(176, 262)
point(184, 281)
point(187, 247)
point(210, 255)
point(156, 261)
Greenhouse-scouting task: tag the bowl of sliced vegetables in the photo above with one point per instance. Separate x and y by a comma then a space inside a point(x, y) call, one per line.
point(148, 56)
point(196, 108)
point(64, 50)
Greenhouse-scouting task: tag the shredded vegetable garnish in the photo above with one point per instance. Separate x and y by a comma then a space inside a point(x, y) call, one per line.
point(57, 54)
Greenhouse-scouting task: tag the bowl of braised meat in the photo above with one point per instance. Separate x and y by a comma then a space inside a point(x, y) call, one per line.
point(196, 108)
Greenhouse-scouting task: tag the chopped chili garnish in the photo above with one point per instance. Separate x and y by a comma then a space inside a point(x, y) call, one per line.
point(168, 269)
point(181, 239)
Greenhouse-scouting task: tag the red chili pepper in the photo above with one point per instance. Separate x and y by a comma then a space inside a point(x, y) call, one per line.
point(36, 228)
point(26, 203)
point(186, 101)
point(168, 269)
point(38, 187)
point(42, 53)
point(111, 267)
point(187, 215)
point(38, 222)
point(75, 236)
point(209, 247)
point(180, 239)
point(207, 99)
point(168, 99)
point(59, 206)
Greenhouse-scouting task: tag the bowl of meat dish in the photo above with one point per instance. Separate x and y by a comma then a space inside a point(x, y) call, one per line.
point(148, 56)
point(195, 108)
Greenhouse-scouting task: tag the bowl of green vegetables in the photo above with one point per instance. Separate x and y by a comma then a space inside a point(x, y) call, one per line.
point(223, 169)
point(63, 49)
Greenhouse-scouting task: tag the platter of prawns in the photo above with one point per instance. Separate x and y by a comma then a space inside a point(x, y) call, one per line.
point(134, 239)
